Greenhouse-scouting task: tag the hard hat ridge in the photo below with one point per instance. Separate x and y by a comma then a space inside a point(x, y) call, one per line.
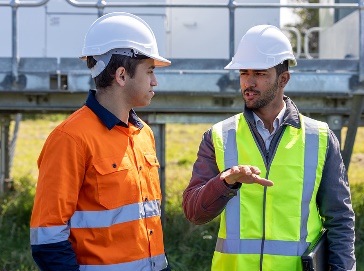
point(262, 47)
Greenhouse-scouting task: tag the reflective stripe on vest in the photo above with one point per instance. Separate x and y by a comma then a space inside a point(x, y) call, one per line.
point(247, 233)
point(94, 219)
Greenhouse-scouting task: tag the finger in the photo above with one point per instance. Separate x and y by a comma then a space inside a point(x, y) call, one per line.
point(246, 170)
point(255, 170)
point(262, 181)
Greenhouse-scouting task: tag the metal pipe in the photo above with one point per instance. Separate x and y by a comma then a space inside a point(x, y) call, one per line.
point(306, 41)
point(19, 3)
point(4, 149)
point(299, 5)
point(358, 98)
point(14, 47)
point(15, 4)
point(2, 154)
point(298, 37)
point(214, 5)
point(101, 7)
point(232, 7)
point(144, 5)
point(361, 40)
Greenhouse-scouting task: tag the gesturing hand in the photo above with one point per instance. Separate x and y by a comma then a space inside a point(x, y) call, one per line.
point(244, 174)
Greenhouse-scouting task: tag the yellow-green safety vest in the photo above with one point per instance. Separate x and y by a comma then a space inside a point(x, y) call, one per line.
point(269, 228)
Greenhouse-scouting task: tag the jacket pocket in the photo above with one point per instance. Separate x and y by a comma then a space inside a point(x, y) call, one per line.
point(152, 160)
point(153, 174)
point(113, 181)
point(153, 166)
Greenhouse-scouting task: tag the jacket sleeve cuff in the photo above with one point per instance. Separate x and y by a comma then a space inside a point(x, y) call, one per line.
point(55, 257)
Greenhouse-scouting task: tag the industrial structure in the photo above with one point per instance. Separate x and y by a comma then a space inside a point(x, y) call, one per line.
point(40, 70)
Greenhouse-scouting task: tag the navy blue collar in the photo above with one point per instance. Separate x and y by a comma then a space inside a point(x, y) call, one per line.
point(108, 118)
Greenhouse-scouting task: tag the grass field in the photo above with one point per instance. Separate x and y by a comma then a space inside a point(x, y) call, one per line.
point(188, 246)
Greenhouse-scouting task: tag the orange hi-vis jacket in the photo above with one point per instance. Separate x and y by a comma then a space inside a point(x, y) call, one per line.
point(99, 189)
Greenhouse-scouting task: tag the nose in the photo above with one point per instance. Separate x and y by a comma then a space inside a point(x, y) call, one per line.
point(247, 81)
point(154, 81)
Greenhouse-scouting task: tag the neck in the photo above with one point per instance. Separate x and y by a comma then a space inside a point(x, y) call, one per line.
point(269, 113)
point(109, 99)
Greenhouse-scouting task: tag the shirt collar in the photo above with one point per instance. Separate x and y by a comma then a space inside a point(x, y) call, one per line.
point(277, 121)
point(108, 118)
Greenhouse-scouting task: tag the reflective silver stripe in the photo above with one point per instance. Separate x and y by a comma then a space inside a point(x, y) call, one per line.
point(231, 159)
point(95, 219)
point(101, 219)
point(238, 246)
point(156, 263)
point(229, 142)
point(48, 235)
point(286, 248)
point(311, 162)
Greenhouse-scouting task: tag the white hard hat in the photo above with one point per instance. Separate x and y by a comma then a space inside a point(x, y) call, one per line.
point(262, 47)
point(123, 31)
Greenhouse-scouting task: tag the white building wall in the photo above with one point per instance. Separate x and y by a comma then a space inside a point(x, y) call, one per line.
point(204, 32)
point(57, 29)
point(341, 40)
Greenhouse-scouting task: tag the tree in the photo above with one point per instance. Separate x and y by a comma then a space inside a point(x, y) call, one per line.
point(308, 18)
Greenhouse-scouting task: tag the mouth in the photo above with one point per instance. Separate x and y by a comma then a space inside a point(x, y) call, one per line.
point(250, 93)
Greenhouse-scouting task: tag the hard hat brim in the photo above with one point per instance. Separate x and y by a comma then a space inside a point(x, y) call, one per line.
point(256, 66)
point(158, 60)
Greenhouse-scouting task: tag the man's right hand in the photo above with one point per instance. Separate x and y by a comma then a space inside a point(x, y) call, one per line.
point(244, 174)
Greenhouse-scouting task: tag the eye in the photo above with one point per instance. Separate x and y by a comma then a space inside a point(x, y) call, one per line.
point(260, 73)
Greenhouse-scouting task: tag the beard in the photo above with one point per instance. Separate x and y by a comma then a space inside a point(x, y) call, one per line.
point(265, 98)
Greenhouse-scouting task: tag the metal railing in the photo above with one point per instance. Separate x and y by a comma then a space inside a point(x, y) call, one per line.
point(231, 5)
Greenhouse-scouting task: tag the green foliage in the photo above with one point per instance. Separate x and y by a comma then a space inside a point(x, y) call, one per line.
point(17, 205)
point(15, 211)
point(48, 117)
point(189, 246)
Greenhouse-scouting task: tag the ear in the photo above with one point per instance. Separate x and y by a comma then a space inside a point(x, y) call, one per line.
point(283, 79)
point(120, 75)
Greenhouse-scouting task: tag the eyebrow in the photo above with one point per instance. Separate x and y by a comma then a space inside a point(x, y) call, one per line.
point(254, 70)
point(152, 67)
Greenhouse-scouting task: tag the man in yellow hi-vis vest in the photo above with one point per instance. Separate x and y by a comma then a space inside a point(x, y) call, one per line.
point(276, 177)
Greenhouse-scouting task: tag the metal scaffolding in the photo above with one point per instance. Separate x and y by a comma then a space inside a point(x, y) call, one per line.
point(211, 94)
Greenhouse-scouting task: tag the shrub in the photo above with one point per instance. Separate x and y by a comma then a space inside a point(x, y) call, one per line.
point(15, 211)
point(189, 246)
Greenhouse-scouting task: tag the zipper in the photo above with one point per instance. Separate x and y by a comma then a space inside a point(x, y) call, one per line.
point(267, 162)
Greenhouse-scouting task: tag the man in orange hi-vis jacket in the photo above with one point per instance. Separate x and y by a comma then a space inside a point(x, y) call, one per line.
point(97, 204)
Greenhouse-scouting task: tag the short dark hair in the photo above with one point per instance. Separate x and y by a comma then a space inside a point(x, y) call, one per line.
point(282, 67)
point(105, 78)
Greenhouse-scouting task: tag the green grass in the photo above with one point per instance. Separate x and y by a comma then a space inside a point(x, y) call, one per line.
point(188, 246)
point(356, 168)
point(15, 207)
